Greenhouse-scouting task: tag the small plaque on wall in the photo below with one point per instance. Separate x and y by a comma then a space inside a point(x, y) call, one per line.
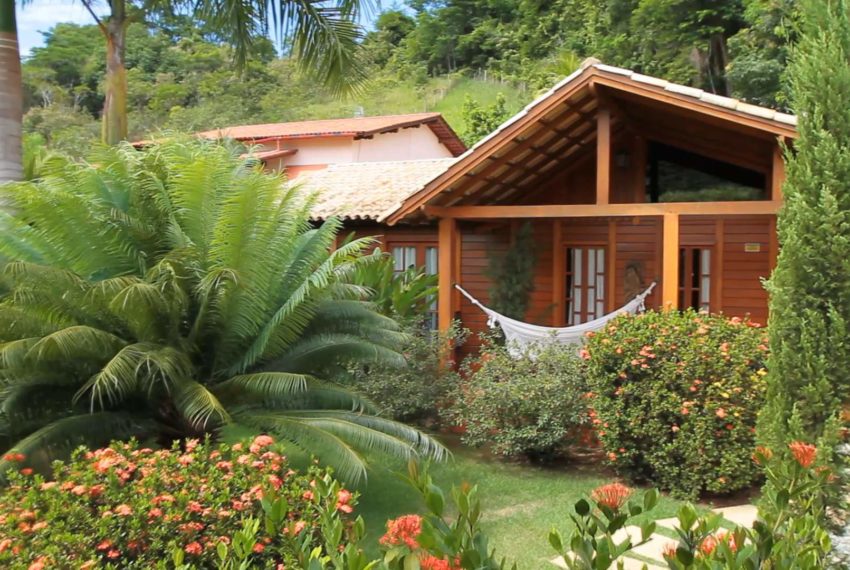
point(752, 247)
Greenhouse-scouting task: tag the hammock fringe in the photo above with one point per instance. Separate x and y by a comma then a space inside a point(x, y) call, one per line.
point(523, 337)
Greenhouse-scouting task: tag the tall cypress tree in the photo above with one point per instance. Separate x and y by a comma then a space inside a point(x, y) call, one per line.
point(809, 366)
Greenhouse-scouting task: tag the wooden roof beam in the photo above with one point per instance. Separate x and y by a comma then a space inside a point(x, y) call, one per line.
point(744, 208)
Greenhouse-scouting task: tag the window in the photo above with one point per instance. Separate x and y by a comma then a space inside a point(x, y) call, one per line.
point(418, 256)
point(404, 257)
point(431, 268)
point(585, 284)
point(695, 278)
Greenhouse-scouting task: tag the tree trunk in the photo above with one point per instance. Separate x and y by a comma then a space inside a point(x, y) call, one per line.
point(115, 106)
point(11, 95)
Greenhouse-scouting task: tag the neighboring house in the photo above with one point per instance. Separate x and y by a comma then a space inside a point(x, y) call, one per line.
point(626, 179)
point(313, 145)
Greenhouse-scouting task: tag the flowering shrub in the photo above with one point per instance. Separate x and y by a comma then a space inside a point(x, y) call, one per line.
point(133, 507)
point(521, 406)
point(789, 533)
point(595, 543)
point(674, 397)
point(434, 541)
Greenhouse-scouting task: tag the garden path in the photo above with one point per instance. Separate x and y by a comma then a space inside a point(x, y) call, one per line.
point(649, 555)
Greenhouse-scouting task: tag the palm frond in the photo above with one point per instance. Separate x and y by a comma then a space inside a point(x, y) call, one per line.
point(322, 349)
point(328, 447)
point(61, 436)
point(75, 342)
point(418, 441)
point(200, 407)
point(267, 384)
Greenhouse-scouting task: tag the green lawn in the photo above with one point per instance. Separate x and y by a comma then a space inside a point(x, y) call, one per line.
point(520, 503)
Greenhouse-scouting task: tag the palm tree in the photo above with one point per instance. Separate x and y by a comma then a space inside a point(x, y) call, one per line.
point(11, 94)
point(322, 36)
point(171, 292)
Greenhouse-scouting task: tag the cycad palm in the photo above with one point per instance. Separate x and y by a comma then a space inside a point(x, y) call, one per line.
point(174, 291)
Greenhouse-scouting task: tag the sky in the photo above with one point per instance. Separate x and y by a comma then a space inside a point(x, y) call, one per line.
point(41, 15)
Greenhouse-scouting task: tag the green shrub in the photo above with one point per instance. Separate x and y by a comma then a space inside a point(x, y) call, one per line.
point(133, 507)
point(415, 392)
point(675, 398)
point(521, 406)
point(406, 295)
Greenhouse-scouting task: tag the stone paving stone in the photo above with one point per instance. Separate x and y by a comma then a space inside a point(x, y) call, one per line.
point(670, 523)
point(742, 515)
point(628, 564)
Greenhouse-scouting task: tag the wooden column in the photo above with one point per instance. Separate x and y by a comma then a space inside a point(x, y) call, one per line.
point(446, 274)
point(717, 271)
point(559, 273)
point(611, 267)
point(603, 155)
point(777, 174)
point(670, 263)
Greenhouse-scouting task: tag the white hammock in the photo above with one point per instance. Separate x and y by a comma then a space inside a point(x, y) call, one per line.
point(521, 337)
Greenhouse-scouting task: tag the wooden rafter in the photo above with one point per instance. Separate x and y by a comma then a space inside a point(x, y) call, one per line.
point(520, 145)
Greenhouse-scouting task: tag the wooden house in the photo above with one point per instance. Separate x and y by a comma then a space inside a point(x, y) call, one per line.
point(626, 180)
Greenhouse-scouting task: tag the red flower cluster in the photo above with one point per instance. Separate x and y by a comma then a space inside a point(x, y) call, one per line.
point(127, 505)
point(613, 495)
point(804, 453)
point(430, 562)
point(403, 531)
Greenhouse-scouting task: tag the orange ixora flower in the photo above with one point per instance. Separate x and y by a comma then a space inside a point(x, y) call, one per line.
point(403, 530)
point(804, 453)
point(762, 455)
point(669, 550)
point(613, 495)
point(431, 562)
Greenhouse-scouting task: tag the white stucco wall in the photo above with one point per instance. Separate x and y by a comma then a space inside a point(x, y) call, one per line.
point(405, 144)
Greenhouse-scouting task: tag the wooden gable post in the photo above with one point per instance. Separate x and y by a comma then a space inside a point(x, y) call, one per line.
point(446, 304)
point(603, 154)
point(777, 174)
point(670, 263)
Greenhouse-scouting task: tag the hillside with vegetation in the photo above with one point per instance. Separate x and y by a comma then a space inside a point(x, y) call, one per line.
point(451, 56)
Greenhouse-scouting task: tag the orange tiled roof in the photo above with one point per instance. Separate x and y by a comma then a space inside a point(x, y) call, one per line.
point(367, 190)
point(356, 127)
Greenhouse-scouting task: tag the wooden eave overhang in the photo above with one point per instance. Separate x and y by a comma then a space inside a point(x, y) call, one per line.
point(558, 129)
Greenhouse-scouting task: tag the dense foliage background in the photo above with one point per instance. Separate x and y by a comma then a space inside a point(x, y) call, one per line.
point(423, 56)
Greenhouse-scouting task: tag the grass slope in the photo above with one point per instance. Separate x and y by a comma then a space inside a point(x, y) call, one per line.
point(440, 94)
point(521, 503)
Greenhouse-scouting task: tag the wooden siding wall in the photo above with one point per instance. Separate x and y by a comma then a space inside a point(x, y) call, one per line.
point(478, 244)
point(737, 289)
point(393, 235)
point(637, 244)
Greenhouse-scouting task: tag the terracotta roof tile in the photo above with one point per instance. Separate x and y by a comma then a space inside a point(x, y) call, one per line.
point(357, 127)
point(367, 190)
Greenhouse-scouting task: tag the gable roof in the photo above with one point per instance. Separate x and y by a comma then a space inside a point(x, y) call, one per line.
point(355, 127)
point(560, 122)
point(367, 190)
